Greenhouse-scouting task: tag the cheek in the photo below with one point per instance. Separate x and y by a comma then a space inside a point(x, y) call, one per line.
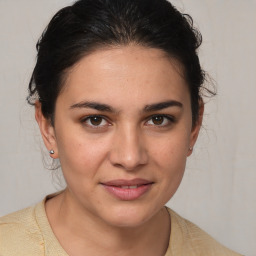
point(172, 162)
point(80, 155)
point(173, 149)
point(81, 165)
point(172, 167)
point(170, 157)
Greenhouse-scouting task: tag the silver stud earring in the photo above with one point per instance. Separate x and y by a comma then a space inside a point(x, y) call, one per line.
point(191, 148)
point(51, 152)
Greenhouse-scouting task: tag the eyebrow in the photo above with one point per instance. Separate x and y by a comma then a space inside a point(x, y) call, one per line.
point(162, 105)
point(108, 108)
point(93, 105)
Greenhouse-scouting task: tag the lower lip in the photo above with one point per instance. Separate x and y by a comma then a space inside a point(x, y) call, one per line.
point(127, 194)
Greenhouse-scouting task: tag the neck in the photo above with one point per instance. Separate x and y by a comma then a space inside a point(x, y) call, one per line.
point(81, 232)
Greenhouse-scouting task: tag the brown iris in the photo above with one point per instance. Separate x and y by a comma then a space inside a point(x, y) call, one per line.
point(158, 120)
point(96, 120)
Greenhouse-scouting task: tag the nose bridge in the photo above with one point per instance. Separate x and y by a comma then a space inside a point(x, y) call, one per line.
point(128, 149)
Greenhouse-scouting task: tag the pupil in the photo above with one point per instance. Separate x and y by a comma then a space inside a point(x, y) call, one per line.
point(158, 120)
point(96, 120)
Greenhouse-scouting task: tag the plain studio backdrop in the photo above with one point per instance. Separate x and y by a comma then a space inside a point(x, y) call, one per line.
point(218, 192)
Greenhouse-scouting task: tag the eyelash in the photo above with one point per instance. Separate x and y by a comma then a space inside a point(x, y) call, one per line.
point(89, 118)
point(170, 119)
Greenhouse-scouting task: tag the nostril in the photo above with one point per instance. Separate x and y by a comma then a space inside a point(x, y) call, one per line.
point(128, 150)
point(129, 164)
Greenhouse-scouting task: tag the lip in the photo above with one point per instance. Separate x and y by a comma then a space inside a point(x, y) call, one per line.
point(127, 190)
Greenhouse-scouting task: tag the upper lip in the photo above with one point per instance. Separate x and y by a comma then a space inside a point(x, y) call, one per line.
point(123, 182)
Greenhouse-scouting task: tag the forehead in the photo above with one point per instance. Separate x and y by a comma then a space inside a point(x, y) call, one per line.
point(139, 73)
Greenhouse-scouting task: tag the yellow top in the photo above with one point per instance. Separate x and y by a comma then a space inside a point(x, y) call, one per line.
point(28, 233)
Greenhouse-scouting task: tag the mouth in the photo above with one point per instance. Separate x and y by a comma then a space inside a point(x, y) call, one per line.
point(128, 190)
point(130, 187)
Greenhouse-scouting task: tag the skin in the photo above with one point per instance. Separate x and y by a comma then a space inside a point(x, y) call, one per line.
point(128, 143)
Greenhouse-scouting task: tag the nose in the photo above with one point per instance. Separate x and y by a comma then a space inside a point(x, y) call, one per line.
point(128, 150)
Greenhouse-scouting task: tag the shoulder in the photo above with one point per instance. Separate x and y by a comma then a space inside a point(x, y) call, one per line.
point(20, 234)
point(188, 239)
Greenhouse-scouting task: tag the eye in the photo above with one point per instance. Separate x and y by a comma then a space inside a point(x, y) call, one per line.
point(160, 120)
point(95, 121)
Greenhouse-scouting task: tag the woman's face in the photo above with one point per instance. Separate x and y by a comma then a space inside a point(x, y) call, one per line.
point(123, 129)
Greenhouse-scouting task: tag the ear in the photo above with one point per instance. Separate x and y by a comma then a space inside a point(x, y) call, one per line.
point(196, 128)
point(47, 130)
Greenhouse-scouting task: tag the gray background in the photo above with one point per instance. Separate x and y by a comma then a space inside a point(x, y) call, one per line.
point(219, 188)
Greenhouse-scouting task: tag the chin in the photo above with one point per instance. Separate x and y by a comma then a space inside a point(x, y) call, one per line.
point(129, 216)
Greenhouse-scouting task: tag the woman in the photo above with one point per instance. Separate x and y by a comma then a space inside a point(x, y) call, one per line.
point(117, 95)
